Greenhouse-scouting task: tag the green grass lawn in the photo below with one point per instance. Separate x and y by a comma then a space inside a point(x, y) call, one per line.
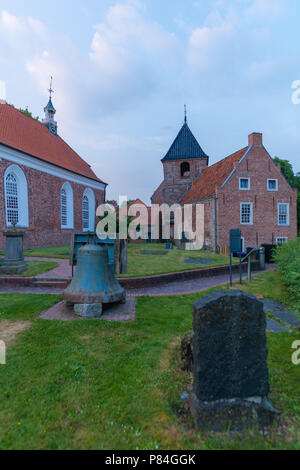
point(36, 268)
point(57, 252)
point(147, 265)
point(100, 385)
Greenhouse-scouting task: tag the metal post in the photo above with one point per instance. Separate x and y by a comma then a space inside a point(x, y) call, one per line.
point(249, 268)
point(230, 269)
point(241, 271)
point(262, 258)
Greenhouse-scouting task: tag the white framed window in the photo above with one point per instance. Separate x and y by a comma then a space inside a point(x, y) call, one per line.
point(66, 207)
point(246, 213)
point(272, 184)
point(88, 211)
point(281, 240)
point(283, 214)
point(16, 197)
point(244, 184)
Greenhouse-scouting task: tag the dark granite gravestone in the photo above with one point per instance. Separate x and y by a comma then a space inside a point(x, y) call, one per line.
point(231, 379)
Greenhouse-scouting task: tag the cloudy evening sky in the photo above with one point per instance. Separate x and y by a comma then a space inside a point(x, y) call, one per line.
point(123, 71)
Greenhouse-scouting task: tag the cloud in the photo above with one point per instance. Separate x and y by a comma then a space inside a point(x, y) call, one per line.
point(265, 10)
point(12, 23)
point(128, 60)
point(134, 75)
point(131, 55)
point(263, 70)
point(208, 43)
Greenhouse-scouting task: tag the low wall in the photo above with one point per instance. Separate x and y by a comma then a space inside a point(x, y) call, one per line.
point(132, 282)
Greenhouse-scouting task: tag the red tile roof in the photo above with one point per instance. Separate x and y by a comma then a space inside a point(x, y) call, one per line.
point(212, 177)
point(137, 202)
point(32, 137)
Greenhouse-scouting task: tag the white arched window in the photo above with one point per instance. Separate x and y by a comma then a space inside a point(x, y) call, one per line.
point(88, 211)
point(66, 206)
point(16, 197)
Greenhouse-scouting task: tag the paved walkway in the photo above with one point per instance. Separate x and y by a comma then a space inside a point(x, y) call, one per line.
point(171, 288)
point(279, 319)
point(283, 320)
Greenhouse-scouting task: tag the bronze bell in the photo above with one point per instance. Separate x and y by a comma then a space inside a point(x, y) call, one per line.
point(94, 282)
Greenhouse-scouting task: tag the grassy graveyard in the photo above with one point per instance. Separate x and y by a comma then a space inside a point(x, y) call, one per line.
point(147, 264)
point(101, 385)
point(56, 252)
point(35, 268)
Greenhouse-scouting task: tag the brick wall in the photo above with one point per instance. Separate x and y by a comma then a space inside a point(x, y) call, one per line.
point(258, 166)
point(175, 185)
point(44, 208)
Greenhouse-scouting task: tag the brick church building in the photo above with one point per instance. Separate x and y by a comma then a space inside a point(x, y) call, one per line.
point(245, 190)
point(46, 188)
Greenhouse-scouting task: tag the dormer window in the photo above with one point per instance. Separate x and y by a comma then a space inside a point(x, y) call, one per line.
point(244, 184)
point(272, 184)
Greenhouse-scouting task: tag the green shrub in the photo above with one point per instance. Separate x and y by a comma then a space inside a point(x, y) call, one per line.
point(287, 258)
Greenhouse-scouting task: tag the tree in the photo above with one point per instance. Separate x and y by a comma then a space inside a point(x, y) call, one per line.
point(292, 178)
point(26, 112)
point(112, 219)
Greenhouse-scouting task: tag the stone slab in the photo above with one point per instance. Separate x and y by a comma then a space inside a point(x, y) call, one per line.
point(112, 312)
point(88, 310)
point(275, 327)
point(204, 261)
point(287, 317)
point(233, 414)
point(282, 312)
point(154, 253)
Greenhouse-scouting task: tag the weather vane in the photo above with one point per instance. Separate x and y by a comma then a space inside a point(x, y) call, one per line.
point(185, 114)
point(51, 89)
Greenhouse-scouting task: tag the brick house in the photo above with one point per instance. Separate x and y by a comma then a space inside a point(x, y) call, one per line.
point(45, 186)
point(245, 190)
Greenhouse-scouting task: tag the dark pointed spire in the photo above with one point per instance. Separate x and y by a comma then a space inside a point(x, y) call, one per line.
point(185, 146)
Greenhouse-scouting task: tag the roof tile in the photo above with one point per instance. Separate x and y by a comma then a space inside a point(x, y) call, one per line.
point(212, 177)
point(32, 137)
point(185, 146)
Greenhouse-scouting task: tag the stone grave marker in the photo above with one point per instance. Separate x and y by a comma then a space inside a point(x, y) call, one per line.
point(231, 378)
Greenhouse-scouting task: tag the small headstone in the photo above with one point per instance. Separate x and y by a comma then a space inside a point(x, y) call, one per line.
point(204, 261)
point(155, 253)
point(168, 246)
point(231, 379)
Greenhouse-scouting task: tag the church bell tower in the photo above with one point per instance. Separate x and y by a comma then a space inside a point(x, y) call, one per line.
point(184, 161)
point(50, 112)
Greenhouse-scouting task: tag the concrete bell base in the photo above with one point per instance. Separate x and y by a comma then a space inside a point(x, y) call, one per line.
point(88, 310)
point(235, 414)
point(13, 268)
